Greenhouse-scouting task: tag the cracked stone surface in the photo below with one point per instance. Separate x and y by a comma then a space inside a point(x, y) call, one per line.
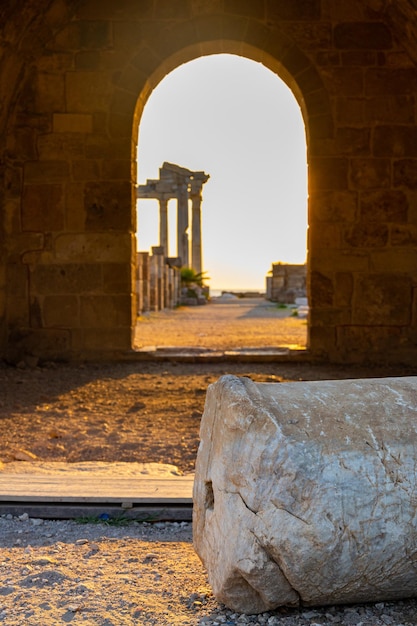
point(305, 492)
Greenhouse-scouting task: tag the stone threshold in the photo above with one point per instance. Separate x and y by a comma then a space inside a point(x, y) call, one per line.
point(190, 354)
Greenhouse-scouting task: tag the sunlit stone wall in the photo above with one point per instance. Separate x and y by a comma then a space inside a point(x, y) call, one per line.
point(74, 77)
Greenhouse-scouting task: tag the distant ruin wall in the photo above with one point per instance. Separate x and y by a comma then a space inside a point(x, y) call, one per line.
point(286, 282)
point(157, 282)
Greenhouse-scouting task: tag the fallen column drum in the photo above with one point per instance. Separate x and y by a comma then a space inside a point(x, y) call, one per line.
point(305, 493)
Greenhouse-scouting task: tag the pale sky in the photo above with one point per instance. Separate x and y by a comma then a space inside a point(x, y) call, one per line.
point(240, 123)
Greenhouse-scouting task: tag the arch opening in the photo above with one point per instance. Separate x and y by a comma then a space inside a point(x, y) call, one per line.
point(235, 119)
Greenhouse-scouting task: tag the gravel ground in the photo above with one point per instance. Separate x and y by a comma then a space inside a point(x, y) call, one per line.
point(104, 573)
point(57, 572)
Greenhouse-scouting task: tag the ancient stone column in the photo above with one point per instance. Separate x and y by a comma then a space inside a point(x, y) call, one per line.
point(196, 186)
point(163, 224)
point(305, 492)
point(183, 223)
point(143, 284)
point(159, 269)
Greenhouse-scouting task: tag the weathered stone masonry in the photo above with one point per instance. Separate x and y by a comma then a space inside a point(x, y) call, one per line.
point(74, 78)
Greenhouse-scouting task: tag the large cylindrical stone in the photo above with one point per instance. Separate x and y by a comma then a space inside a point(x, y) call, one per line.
point(306, 493)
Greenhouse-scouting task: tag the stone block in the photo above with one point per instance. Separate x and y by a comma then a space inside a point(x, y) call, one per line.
point(116, 278)
point(172, 9)
point(404, 235)
point(367, 235)
point(384, 206)
point(108, 10)
point(350, 111)
point(317, 101)
point(353, 141)
point(382, 299)
point(54, 146)
point(395, 141)
point(296, 62)
point(333, 206)
point(329, 261)
point(321, 290)
point(105, 311)
point(50, 92)
point(104, 340)
point(61, 311)
point(346, 81)
point(94, 34)
point(87, 91)
point(325, 235)
point(389, 110)
point(355, 10)
point(288, 10)
point(116, 169)
point(89, 60)
point(405, 173)
point(87, 170)
point(127, 34)
point(45, 171)
point(321, 341)
point(132, 80)
point(108, 206)
point(43, 208)
point(17, 311)
point(26, 242)
point(48, 343)
point(395, 259)
point(120, 126)
point(361, 58)
point(146, 60)
point(23, 144)
point(72, 123)
point(66, 279)
point(328, 173)
point(383, 81)
point(321, 129)
point(309, 511)
point(313, 35)
point(362, 35)
point(356, 343)
point(123, 102)
point(343, 290)
point(74, 211)
point(247, 8)
point(370, 173)
point(330, 318)
point(17, 280)
point(93, 248)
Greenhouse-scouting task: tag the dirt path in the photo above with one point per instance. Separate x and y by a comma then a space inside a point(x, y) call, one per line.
point(225, 324)
point(57, 572)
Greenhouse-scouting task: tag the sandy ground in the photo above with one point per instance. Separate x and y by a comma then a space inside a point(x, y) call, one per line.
point(224, 324)
point(56, 572)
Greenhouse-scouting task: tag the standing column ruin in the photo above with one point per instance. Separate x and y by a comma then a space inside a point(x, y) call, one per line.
point(179, 183)
point(163, 225)
point(196, 186)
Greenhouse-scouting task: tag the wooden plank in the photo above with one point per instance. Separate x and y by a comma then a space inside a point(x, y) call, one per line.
point(142, 513)
point(76, 488)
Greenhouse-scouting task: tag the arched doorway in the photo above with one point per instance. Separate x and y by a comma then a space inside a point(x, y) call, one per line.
point(241, 123)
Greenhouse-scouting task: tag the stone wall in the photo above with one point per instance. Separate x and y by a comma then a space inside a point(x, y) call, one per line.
point(74, 78)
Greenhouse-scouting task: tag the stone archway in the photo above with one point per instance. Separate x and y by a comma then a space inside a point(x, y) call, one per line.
point(314, 90)
point(77, 78)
